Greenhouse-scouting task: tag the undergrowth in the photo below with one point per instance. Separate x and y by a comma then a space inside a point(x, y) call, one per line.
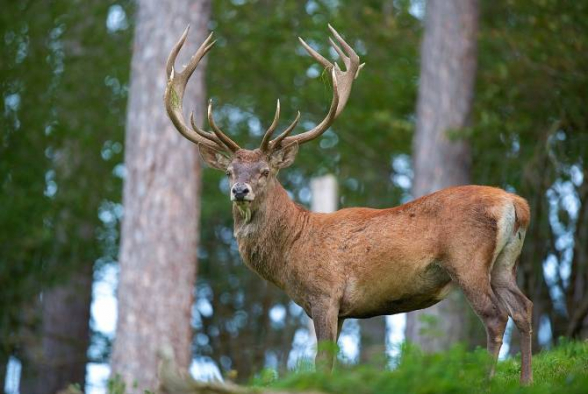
point(563, 369)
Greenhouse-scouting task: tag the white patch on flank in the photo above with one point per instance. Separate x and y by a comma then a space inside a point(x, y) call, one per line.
point(509, 252)
point(505, 225)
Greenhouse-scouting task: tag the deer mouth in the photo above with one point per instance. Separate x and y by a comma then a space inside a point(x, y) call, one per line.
point(244, 207)
point(242, 200)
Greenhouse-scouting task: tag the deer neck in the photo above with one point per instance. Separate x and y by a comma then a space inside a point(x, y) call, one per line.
point(266, 236)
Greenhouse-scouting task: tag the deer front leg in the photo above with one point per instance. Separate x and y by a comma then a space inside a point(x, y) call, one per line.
point(326, 326)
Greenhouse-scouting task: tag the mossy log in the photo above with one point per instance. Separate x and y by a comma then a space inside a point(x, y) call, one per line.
point(174, 381)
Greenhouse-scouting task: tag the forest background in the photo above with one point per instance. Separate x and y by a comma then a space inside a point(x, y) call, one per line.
point(65, 78)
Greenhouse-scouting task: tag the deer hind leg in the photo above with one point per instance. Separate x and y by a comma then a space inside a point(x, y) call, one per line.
point(519, 307)
point(489, 309)
point(474, 280)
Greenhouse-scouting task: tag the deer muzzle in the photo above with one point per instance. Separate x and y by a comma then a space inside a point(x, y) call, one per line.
point(241, 192)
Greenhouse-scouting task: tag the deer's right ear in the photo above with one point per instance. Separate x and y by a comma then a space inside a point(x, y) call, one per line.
point(214, 158)
point(285, 156)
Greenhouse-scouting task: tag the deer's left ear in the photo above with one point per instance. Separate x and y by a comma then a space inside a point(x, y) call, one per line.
point(285, 156)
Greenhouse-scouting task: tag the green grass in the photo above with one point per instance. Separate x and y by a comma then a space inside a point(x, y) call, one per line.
point(561, 370)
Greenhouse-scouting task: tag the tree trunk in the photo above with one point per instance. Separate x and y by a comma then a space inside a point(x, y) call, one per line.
point(324, 191)
point(59, 358)
point(3, 371)
point(373, 340)
point(161, 199)
point(448, 65)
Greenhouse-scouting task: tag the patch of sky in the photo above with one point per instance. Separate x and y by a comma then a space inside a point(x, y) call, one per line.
point(120, 171)
point(277, 315)
point(395, 326)
point(12, 377)
point(544, 334)
point(417, 8)
point(305, 195)
point(314, 71)
point(349, 341)
point(116, 19)
point(50, 184)
point(103, 320)
point(329, 139)
point(311, 7)
point(402, 175)
point(254, 125)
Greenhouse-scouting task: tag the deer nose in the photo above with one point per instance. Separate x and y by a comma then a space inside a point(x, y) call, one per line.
point(240, 190)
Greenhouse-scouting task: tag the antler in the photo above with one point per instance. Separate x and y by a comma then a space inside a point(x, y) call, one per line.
point(265, 142)
point(174, 96)
point(342, 83)
point(176, 86)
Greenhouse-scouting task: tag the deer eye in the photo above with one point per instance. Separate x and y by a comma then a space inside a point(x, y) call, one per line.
point(265, 172)
point(228, 172)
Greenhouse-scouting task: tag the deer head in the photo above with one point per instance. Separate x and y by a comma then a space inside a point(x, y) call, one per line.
point(251, 172)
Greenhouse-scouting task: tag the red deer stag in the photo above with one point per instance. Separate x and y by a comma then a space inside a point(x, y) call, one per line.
point(362, 262)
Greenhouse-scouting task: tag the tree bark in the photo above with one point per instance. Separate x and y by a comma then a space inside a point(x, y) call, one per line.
point(373, 340)
point(448, 66)
point(161, 199)
point(3, 371)
point(59, 358)
point(325, 195)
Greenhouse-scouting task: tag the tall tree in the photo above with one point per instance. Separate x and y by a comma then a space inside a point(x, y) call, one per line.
point(441, 154)
point(57, 356)
point(161, 201)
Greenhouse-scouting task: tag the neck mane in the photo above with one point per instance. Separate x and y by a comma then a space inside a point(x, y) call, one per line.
point(264, 241)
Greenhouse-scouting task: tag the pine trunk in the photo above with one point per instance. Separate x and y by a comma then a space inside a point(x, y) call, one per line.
point(373, 340)
point(442, 159)
point(58, 357)
point(161, 199)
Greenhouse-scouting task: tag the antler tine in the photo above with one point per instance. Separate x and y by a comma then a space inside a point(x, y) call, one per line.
point(176, 86)
point(268, 134)
point(325, 123)
point(341, 54)
point(200, 53)
point(274, 144)
point(229, 143)
point(208, 135)
point(342, 83)
point(351, 53)
point(171, 59)
point(317, 56)
point(350, 61)
point(352, 67)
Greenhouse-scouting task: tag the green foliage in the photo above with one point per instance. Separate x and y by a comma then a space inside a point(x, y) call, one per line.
point(561, 370)
point(430, 326)
point(63, 84)
point(116, 385)
point(531, 84)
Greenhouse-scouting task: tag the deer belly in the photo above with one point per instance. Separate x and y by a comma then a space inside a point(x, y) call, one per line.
point(387, 296)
